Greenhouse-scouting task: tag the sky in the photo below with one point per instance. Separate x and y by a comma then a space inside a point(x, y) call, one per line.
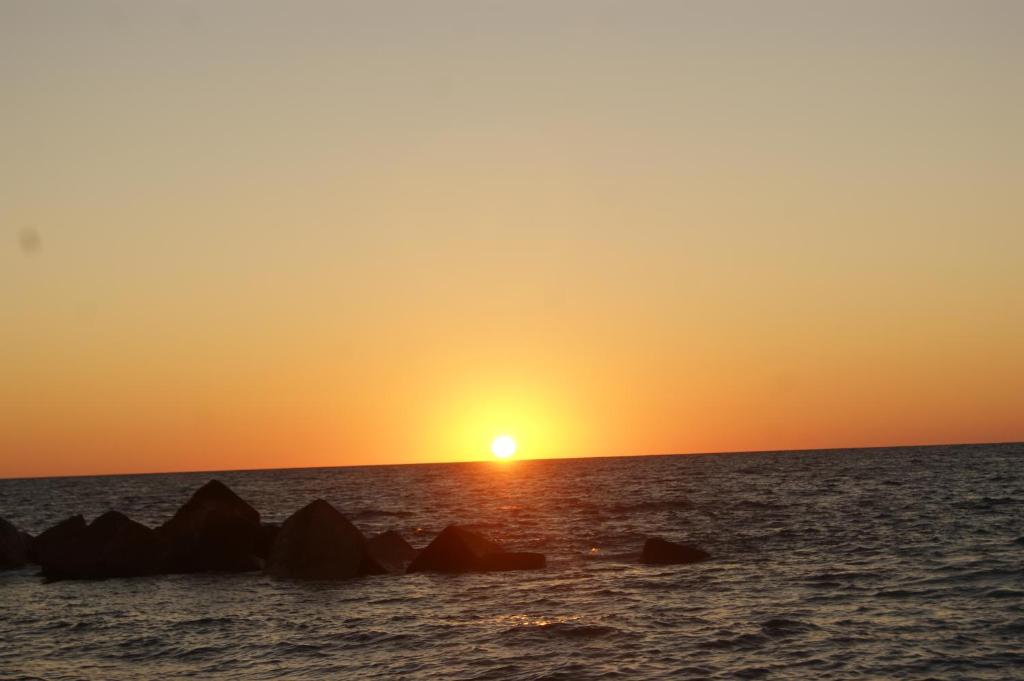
point(276, 234)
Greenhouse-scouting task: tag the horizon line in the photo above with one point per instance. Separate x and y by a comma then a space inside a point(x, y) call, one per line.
point(513, 460)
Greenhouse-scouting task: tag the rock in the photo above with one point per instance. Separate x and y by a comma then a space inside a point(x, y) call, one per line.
point(29, 540)
point(113, 545)
point(215, 531)
point(391, 551)
point(14, 546)
point(457, 549)
point(318, 542)
point(54, 541)
point(660, 552)
point(265, 541)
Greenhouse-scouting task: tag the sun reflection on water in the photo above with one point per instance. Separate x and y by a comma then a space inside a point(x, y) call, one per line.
point(523, 620)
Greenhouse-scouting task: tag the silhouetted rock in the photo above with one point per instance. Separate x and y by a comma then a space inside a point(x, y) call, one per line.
point(214, 531)
point(457, 549)
point(52, 542)
point(391, 551)
point(265, 541)
point(29, 542)
point(318, 542)
point(660, 552)
point(14, 546)
point(113, 545)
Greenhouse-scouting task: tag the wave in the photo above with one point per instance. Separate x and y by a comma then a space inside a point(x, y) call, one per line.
point(560, 630)
point(1005, 593)
point(619, 557)
point(200, 652)
point(1016, 627)
point(986, 502)
point(202, 622)
point(642, 506)
point(780, 626)
point(841, 575)
point(738, 642)
point(379, 513)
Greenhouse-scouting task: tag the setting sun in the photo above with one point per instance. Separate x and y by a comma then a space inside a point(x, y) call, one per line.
point(503, 446)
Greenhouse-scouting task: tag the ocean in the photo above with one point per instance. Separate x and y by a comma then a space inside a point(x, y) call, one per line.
point(901, 563)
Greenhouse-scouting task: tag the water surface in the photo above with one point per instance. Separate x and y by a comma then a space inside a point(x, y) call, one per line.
point(885, 563)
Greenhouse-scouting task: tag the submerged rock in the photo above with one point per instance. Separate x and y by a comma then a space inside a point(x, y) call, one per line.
point(318, 542)
point(657, 551)
point(391, 551)
point(14, 546)
point(215, 531)
point(457, 549)
point(113, 545)
point(55, 540)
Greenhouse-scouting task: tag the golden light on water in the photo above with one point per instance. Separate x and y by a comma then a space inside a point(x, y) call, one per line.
point(503, 446)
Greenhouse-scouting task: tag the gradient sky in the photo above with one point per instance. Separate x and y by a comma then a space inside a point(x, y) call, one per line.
point(254, 234)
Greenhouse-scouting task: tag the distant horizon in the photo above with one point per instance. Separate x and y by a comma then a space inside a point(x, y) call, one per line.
point(512, 462)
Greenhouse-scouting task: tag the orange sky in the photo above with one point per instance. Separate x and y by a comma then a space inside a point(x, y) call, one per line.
point(330, 233)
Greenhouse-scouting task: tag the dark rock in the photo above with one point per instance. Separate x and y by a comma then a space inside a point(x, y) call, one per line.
point(113, 545)
point(318, 542)
point(30, 553)
point(265, 541)
point(660, 552)
point(457, 549)
point(56, 540)
point(215, 531)
point(14, 546)
point(391, 551)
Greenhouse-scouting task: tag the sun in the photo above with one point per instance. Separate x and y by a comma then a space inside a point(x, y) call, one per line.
point(503, 446)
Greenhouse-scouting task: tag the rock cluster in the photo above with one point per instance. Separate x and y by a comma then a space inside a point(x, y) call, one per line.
point(112, 545)
point(218, 531)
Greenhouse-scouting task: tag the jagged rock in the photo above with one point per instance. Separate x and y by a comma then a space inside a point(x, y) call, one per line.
point(215, 531)
point(391, 551)
point(657, 551)
point(113, 545)
point(265, 541)
point(55, 540)
point(318, 542)
point(457, 549)
point(14, 546)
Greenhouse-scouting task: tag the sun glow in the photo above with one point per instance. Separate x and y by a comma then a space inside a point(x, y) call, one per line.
point(503, 446)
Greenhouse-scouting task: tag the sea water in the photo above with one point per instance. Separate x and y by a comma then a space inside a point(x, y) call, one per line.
point(856, 564)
